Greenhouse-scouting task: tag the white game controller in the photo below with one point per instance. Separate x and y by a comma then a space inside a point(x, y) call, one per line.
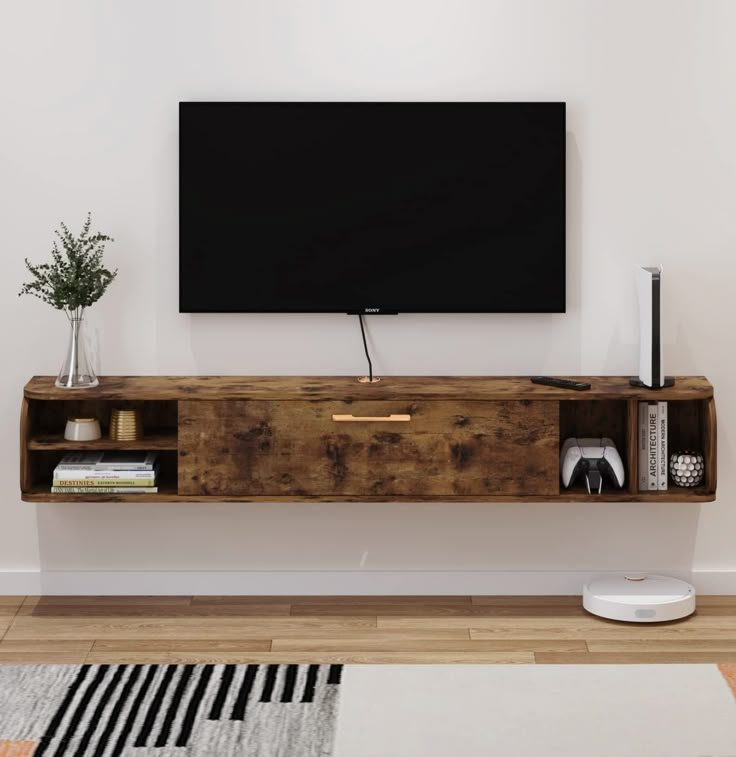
point(595, 458)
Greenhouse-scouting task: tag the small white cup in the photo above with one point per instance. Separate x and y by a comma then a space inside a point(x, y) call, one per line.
point(82, 429)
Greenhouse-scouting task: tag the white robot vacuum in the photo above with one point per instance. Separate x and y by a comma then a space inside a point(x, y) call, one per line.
point(639, 598)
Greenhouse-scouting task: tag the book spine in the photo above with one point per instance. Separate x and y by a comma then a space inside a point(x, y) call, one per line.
point(104, 475)
point(663, 456)
point(643, 437)
point(652, 447)
point(104, 489)
point(82, 482)
point(102, 467)
point(69, 467)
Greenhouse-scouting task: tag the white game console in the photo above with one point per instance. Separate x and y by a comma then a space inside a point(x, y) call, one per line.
point(651, 369)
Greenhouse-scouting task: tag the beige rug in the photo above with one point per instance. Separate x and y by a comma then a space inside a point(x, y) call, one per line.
point(536, 711)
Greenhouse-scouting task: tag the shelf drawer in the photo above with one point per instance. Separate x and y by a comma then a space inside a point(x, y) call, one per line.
point(318, 448)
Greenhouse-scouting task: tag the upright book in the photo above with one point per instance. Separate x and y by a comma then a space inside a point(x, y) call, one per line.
point(643, 446)
point(662, 456)
point(652, 467)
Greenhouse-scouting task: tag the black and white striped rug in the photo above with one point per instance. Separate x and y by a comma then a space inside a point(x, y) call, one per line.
point(384, 710)
point(167, 710)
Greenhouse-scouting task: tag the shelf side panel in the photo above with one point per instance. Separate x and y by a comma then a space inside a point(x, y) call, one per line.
point(710, 445)
point(25, 430)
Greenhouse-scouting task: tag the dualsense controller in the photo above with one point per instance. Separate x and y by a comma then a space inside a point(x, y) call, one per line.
point(593, 458)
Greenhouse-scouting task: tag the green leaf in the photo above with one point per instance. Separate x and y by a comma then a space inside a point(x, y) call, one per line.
point(76, 277)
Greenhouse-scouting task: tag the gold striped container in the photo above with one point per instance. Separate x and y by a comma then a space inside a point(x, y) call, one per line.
point(126, 425)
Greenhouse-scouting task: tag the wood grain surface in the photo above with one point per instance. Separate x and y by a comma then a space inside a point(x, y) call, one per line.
point(709, 434)
point(26, 480)
point(296, 448)
point(462, 629)
point(168, 493)
point(347, 388)
point(153, 439)
point(272, 439)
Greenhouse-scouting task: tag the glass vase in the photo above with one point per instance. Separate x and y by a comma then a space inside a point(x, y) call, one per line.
point(77, 371)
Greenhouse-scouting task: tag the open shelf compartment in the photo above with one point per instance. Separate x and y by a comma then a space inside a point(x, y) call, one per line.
point(43, 444)
point(691, 426)
point(595, 419)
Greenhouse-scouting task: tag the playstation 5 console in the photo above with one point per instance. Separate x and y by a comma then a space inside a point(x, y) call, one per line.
point(651, 369)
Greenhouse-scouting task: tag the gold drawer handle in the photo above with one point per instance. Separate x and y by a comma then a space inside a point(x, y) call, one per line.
point(373, 418)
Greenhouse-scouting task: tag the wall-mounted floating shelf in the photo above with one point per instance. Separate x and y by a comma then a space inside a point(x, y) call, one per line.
point(275, 439)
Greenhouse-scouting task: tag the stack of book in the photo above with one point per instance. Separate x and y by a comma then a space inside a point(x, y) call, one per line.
point(111, 472)
point(653, 462)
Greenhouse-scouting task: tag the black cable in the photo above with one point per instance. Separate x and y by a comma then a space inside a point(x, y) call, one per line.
point(365, 347)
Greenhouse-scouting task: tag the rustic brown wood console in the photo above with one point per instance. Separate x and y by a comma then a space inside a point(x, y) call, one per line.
point(421, 438)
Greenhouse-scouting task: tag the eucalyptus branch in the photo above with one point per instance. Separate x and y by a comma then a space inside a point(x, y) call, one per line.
point(76, 277)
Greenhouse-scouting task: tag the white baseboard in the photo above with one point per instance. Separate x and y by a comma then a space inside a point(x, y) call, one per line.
point(363, 582)
point(326, 582)
point(20, 582)
point(714, 581)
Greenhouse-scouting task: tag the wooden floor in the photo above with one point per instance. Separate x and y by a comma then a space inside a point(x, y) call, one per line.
point(351, 630)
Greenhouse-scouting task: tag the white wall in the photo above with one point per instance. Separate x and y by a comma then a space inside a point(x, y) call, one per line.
point(89, 122)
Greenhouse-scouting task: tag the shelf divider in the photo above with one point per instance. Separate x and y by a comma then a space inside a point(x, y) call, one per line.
point(160, 439)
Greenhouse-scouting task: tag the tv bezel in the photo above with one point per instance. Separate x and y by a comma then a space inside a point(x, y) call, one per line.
point(372, 310)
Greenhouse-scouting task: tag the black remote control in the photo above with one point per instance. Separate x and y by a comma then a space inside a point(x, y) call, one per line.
point(578, 386)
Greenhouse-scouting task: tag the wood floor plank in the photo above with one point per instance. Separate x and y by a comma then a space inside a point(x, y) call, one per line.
point(429, 610)
point(359, 658)
point(523, 622)
point(11, 600)
point(423, 645)
point(164, 657)
point(374, 635)
point(112, 599)
point(663, 645)
point(558, 629)
point(43, 658)
point(178, 645)
point(712, 600)
point(706, 609)
point(333, 600)
point(165, 611)
point(641, 658)
point(32, 627)
point(29, 652)
point(76, 645)
point(9, 608)
point(556, 600)
point(580, 624)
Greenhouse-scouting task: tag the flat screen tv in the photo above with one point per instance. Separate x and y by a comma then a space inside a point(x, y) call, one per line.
point(372, 207)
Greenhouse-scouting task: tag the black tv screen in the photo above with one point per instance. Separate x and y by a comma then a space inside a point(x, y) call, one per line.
point(366, 207)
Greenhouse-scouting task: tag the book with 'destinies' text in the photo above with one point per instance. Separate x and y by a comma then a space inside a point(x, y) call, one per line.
point(92, 482)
